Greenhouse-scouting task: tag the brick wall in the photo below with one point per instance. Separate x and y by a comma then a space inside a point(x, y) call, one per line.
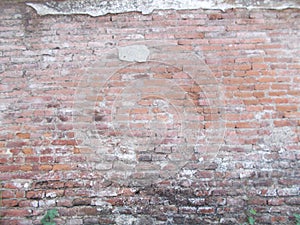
point(204, 130)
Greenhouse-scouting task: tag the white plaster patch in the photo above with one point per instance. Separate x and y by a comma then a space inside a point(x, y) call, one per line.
point(125, 219)
point(278, 139)
point(134, 53)
point(99, 8)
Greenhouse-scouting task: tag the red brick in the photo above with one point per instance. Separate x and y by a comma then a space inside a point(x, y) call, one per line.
point(91, 211)
point(206, 210)
point(292, 115)
point(293, 201)
point(286, 108)
point(23, 135)
point(215, 16)
point(281, 101)
point(276, 201)
point(54, 193)
point(7, 194)
point(45, 167)
point(9, 168)
point(15, 213)
point(47, 159)
point(64, 202)
point(188, 35)
point(243, 94)
point(266, 79)
point(289, 192)
point(259, 66)
point(69, 212)
point(32, 159)
point(204, 174)
point(277, 93)
point(61, 167)
point(188, 210)
point(27, 151)
point(278, 219)
point(20, 194)
point(259, 94)
point(139, 111)
point(247, 125)
point(243, 67)
point(119, 201)
point(10, 202)
point(15, 144)
point(35, 194)
point(81, 201)
point(262, 86)
point(257, 201)
point(251, 101)
point(280, 86)
point(64, 142)
point(212, 48)
point(26, 167)
point(252, 73)
point(28, 203)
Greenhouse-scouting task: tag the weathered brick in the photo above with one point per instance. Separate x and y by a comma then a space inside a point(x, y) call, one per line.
point(45, 167)
point(287, 108)
point(15, 144)
point(27, 151)
point(10, 203)
point(64, 142)
point(64, 202)
point(91, 211)
point(15, 213)
point(7, 194)
point(26, 168)
point(32, 159)
point(23, 135)
point(69, 212)
point(54, 193)
point(293, 201)
point(188, 210)
point(215, 16)
point(289, 191)
point(28, 203)
point(9, 168)
point(81, 201)
point(206, 210)
point(189, 35)
point(35, 194)
point(197, 201)
point(61, 167)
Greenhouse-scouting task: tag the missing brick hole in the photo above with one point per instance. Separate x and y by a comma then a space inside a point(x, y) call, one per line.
point(99, 118)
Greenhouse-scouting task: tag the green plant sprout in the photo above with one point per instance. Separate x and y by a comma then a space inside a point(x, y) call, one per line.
point(297, 216)
point(49, 217)
point(251, 219)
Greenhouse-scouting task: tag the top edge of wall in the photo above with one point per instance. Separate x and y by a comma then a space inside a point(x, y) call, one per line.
point(103, 7)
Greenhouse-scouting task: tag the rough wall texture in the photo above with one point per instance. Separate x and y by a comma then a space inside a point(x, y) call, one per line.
point(102, 7)
point(176, 117)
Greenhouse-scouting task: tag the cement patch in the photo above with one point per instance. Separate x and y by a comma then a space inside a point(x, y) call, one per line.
point(99, 8)
point(134, 53)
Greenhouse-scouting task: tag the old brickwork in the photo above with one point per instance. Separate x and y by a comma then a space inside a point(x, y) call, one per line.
point(204, 128)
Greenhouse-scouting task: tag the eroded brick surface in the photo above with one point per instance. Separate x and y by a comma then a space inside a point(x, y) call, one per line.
point(204, 130)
